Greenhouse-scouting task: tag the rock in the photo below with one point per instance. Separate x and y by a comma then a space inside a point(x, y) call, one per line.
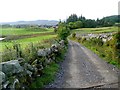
point(54, 47)
point(42, 52)
point(16, 82)
point(21, 61)
point(62, 42)
point(5, 84)
point(29, 73)
point(104, 40)
point(2, 77)
point(28, 67)
point(48, 51)
point(11, 67)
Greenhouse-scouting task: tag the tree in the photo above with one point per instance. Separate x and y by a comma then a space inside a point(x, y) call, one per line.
point(72, 18)
point(75, 25)
point(82, 19)
point(90, 23)
point(78, 24)
point(71, 25)
point(63, 31)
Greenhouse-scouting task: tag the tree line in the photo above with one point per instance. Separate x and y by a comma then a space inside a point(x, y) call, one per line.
point(75, 21)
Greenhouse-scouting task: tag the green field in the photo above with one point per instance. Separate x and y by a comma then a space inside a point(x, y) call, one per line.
point(24, 36)
point(26, 41)
point(23, 31)
point(96, 30)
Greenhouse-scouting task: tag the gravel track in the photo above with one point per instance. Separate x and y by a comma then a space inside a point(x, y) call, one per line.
point(84, 69)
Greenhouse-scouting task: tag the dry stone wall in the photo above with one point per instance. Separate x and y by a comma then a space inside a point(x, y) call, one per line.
point(104, 36)
point(20, 74)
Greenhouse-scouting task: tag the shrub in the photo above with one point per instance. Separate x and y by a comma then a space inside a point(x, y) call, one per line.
point(63, 31)
point(83, 39)
point(96, 41)
point(79, 39)
point(73, 35)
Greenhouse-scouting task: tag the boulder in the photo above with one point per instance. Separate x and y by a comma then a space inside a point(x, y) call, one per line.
point(11, 67)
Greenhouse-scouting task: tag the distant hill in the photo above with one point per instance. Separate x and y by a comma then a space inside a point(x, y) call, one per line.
point(113, 18)
point(38, 22)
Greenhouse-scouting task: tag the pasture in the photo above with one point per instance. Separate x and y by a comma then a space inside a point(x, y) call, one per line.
point(23, 31)
point(96, 30)
point(24, 36)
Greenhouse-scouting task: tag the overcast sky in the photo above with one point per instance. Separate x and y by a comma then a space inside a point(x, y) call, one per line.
point(19, 10)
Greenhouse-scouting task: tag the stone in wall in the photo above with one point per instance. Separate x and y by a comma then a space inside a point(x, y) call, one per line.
point(11, 67)
point(2, 77)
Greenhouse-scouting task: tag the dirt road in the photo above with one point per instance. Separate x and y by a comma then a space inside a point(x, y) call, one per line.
point(84, 69)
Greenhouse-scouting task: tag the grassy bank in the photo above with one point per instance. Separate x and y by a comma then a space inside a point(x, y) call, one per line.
point(105, 52)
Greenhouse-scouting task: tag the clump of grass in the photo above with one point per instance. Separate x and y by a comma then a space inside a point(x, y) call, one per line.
point(74, 35)
point(29, 53)
point(8, 54)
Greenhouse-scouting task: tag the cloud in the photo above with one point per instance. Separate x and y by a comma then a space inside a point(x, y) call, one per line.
point(14, 10)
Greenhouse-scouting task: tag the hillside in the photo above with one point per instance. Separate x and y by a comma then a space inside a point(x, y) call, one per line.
point(39, 22)
point(113, 18)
